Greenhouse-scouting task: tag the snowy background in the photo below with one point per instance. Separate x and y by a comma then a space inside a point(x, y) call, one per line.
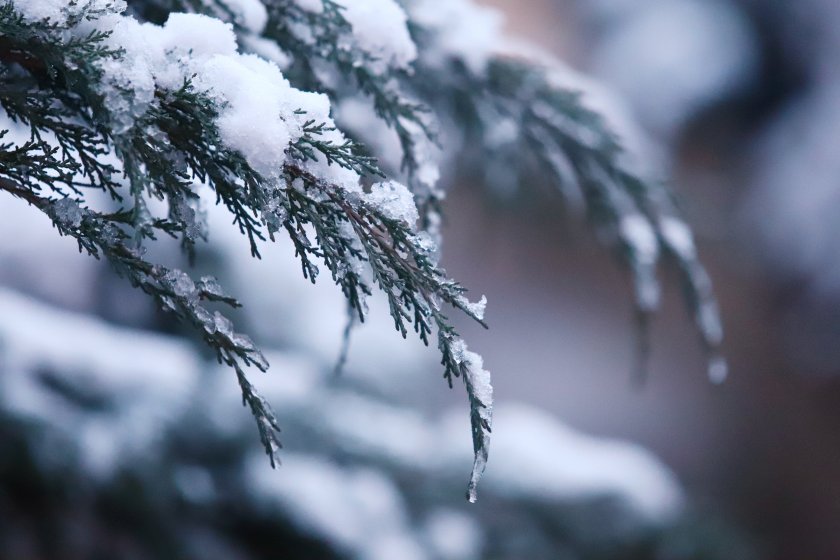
point(121, 437)
point(741, 102)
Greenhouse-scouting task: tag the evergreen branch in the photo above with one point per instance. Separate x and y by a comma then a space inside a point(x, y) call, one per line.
point(173, 290)
point(174, 143)
point(347, 154)
point(327, 33)
point(320, 38)
point(616, 197)
point(555, 135)
point(55, 80)
point(405, 272)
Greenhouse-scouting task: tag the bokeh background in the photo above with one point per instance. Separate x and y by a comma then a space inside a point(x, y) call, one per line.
point(121, 438)
point(741, 102)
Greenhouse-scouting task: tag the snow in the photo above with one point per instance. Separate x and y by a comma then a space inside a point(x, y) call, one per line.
point(361, 426)
point(255, 118)
point(501, 132)
point(462, 30)
point(639, 154)
point(251, 122)
point(68, 212)
point(401, 435)
point(394, 438)
point(146, 379)
point(193, 215)
point(313, 6)
point(59, 11)
point(380, 30)
point(314, 315)
point(718, 370)
point(357, 115)
point(180, 283)
point(34, 234)
point(259, 111)
point(639, 237)
point(360, 507)
point(453, 535)
point(477, 377)
point(427, 155)
point(195, 484)
point(677, 235)
point(395, 201)
point(480, 390)
point(475, 309)
point(154, 57)
point(209, 285)
point(708, 319)
point(395, 545)
point(535, 455)
point(250, 14)
point(532, 449)
point(474, 34)
point(636, 231)
point(358, 510)
point(38, 332)
point(220, 324)
point(267, 49)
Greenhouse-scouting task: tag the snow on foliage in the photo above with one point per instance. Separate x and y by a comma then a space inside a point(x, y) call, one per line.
point(533, 107)
point(149, 107)
point(112, 407)
point(478, 384)
point(535, 455)
point(249, 14)
point(396, 202)
point(59, 12)
point(464, 30)
point(360, 510)
point(379, 29)
point(261, 113)
point(113, 390)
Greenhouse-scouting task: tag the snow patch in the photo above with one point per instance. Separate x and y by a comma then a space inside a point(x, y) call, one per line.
point(357, 509)
point(395, 201)
point(60, 11)
point(250, 14)
point(677, 236)
point(380, 30)
point(462, 30)
point(135, 382)
point(312, 6)
point(639, 235)
point(537, 457)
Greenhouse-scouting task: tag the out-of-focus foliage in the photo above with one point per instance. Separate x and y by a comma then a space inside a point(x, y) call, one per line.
point(136, 444)
point(126, 127)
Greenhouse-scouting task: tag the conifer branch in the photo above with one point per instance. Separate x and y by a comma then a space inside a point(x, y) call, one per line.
point(89, 127)
point(176, 143)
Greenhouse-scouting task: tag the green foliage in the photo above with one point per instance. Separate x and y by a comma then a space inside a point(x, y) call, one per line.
point(51, 84)
point(170, 147)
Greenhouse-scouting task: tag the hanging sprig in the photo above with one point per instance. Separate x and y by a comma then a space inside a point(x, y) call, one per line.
point(175, 141)
point(95, 101)
point(549, 132)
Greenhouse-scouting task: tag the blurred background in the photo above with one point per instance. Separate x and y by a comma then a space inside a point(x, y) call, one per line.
point(121, 438)
point(741, 100)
